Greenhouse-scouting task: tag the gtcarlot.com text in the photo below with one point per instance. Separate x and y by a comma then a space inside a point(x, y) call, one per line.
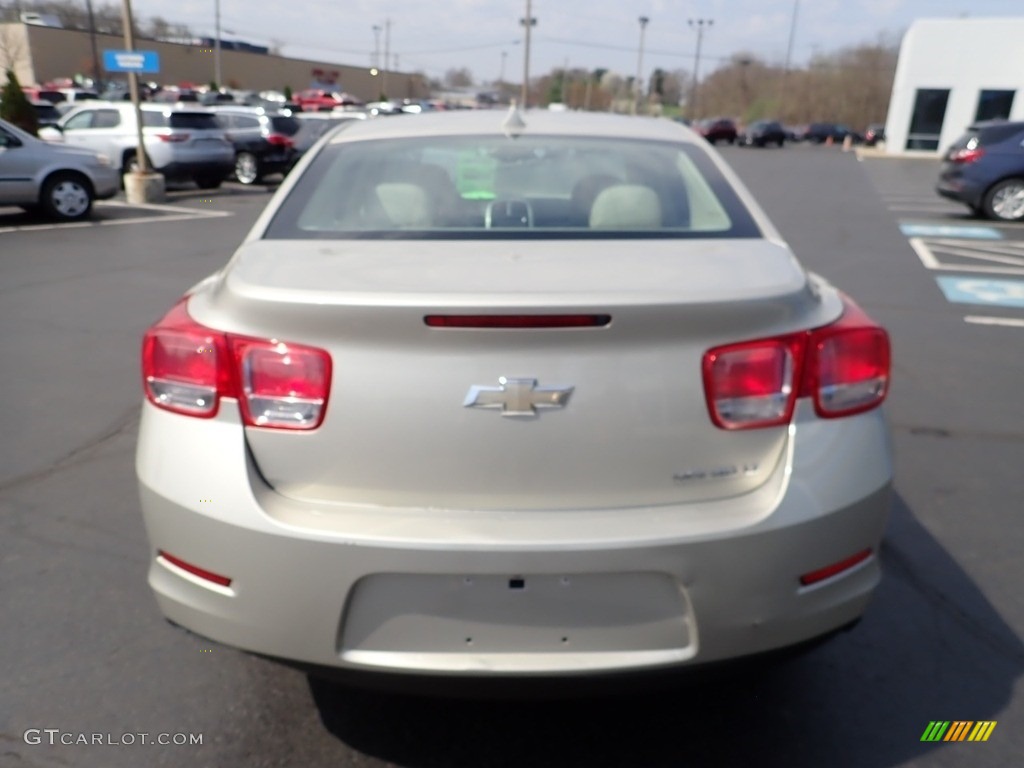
point(55, 736)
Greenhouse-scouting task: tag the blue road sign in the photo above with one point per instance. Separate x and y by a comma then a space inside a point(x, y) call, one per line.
point(971, 290)
point(131, 61)
point(949, 230)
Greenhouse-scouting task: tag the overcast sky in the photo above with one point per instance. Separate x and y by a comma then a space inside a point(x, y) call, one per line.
point(434, 36)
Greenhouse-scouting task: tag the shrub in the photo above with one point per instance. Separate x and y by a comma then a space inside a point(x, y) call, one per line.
point(15, 106)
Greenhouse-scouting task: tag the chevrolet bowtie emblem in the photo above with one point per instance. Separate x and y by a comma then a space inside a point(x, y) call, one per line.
point(517, 397)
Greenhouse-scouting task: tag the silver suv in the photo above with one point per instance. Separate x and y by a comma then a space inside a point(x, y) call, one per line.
point(181, 142)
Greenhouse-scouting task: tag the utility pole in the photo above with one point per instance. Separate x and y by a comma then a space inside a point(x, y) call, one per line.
point(639, 65)
point(699, 25)
point(528, 22)
point(133, 83)
point(96, 71)
point(216, 43)
point(789, 57)
point(501, 77)
point(387, 59)
point(375, 64)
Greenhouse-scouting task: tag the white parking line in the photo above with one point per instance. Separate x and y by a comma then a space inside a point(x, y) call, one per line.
point(178, 213)
point(931, 261)
point(1012, 322)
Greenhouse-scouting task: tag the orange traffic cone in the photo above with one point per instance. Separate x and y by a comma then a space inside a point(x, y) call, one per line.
point(828, 142)
point(847, 143)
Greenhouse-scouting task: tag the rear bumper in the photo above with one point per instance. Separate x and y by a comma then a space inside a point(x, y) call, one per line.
point(955, 186)
point(468, 594)
point(221, 166)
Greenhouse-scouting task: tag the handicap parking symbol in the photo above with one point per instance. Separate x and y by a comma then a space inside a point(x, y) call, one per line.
point(969, 290)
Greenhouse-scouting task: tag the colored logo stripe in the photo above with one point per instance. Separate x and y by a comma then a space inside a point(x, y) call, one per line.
point(982, 730)
point(958, 730)
point(935, 731)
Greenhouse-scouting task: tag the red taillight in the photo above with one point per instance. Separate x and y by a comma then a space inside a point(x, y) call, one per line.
point(172, 138)
point(963, 156)
point(280, 140)
point(844, 367)
point(283, 385)
point(752, 384)
point(187, 368)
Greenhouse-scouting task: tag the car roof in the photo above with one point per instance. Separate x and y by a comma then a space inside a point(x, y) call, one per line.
point(983, 124)
point(544, 122)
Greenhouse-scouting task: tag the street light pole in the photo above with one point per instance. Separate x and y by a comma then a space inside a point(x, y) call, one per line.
point(501, 77)
point(216, 43)
point(96, 76)
point(699, 25)
point(387, 59)
point(639, 65)
point(375, 64)
point(528, 22)
point(133, 84)
point(789, 57)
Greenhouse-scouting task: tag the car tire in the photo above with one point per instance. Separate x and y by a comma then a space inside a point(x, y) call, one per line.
point(131, 163)
point(208, 182)
point(66, 197)
point(247, 168)
point(1004, 200)
point(781, 143)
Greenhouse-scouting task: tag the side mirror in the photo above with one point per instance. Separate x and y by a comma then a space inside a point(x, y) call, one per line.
point(52, 133)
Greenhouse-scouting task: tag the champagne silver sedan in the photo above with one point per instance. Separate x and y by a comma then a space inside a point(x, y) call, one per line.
point(513, 395)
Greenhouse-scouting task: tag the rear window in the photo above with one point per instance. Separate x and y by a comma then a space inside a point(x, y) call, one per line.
point(284, 124)
point(996, 134)
point(471, 187)
point(197, 121)
point(985, 136)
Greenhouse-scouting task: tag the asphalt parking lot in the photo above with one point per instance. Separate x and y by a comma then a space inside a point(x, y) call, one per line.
point(83, 649)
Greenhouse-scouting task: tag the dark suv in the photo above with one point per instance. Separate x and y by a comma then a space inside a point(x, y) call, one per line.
point(984, 169)
point(819, 133)
point(761, 133)
point(264, 141)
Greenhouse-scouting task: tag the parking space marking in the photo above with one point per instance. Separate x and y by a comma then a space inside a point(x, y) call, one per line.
point(1011, 322)
point(974, 290)
point(176, 213)
point(1003, 254)
point(968, 232)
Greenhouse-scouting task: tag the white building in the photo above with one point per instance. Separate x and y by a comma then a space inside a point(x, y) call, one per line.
point(952, 72)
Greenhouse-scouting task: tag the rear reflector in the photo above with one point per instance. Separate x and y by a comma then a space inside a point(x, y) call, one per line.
point(202, 573)
point(517, 321)
point(172, 138)
point(836, 568)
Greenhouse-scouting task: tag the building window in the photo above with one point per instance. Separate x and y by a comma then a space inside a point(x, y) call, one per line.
point(994, 105)
point(926, 123)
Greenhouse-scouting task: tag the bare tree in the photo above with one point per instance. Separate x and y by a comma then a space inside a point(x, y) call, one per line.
point(458, 78)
